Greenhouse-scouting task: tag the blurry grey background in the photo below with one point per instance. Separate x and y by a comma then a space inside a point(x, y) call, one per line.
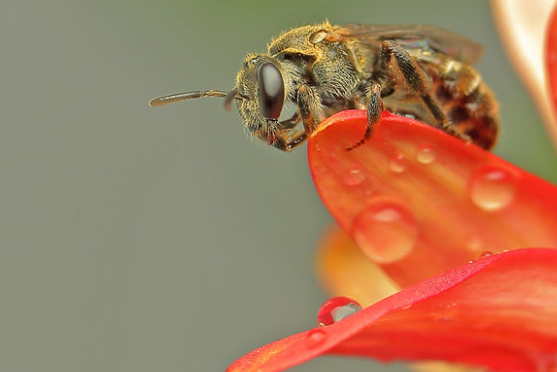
point(163, 239)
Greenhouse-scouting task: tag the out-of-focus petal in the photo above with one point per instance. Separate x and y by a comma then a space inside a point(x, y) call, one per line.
point(552, 57)
point(522, 26)
point(444, 367)
point(419, 202)
point(345, 271)
point(498, 312)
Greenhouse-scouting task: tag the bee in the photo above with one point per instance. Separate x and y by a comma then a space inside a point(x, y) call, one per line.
point(314, 71)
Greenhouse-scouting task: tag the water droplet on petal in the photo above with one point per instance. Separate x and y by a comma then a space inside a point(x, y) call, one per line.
point(447, 312)
point(354, 177)
point(492, 189)
point(398, 163)
point(486, 254)
point(426, 154)
point(385, 231)
point(336, 309)
point(316, 337)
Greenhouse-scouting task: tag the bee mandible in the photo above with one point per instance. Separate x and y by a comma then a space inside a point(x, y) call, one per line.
point(312, 72)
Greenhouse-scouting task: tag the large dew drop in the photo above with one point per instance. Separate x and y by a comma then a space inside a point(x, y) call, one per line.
point(385, 231)
point(336, 309)
point(491, 189)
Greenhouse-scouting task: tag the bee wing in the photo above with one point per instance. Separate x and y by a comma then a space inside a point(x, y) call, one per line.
point(417, 37)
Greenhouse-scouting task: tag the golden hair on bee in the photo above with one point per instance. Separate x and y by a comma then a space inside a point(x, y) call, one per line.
point(310, 72)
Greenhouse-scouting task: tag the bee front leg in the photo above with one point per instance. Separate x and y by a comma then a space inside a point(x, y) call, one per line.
point(308, 102)
point(287, 138)
point(287, 142)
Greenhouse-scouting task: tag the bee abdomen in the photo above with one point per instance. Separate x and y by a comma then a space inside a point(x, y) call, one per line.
point(468, 103)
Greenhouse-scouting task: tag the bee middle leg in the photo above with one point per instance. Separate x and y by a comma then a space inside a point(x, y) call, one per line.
point(374, 110)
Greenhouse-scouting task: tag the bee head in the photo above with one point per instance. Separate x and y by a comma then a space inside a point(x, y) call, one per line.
point(259, 94)
point(261, 83)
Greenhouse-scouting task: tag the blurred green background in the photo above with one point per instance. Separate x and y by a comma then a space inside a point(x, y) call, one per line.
point(141, 239)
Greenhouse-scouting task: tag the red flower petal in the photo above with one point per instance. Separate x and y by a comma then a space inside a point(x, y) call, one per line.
point(498, 312)
point(419, 202)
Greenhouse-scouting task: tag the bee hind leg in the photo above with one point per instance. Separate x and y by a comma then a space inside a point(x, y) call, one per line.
point(445, 125)
point(417, 81)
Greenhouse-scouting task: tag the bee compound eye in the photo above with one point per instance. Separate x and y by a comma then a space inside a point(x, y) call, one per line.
point(271, 90)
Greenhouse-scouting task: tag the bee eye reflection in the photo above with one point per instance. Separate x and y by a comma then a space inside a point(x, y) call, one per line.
point(271, 90)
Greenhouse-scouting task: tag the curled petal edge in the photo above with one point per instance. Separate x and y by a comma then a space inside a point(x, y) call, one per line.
point(497, 312)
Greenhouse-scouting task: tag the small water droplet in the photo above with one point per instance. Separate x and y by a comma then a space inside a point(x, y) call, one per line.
point(354, 177)
point(316, 337)
point(398, 163)
point(385, 231)
point(336, 309)
point(447, 312)
point(486, 254)
point(491, 188)
point(426, 154)
point(448, 305)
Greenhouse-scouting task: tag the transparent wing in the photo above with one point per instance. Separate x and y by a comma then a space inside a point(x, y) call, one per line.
point(417, 37)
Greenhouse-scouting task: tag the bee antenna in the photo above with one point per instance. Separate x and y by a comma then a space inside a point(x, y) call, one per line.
point(178, 97)
point(229, 97)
